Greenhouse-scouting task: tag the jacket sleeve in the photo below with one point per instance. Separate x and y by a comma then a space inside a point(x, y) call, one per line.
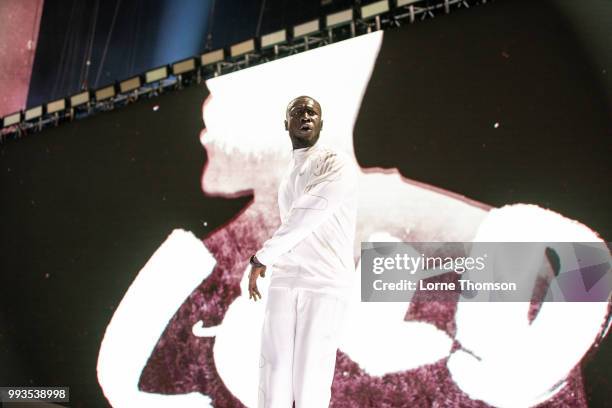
point(332, 178)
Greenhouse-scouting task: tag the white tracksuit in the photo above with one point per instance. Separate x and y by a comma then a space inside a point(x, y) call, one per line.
point(312, 255)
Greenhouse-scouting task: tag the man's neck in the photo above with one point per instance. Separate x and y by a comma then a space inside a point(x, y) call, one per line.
point(298, 144)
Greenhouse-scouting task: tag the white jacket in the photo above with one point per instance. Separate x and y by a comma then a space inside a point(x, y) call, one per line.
point(313, 247)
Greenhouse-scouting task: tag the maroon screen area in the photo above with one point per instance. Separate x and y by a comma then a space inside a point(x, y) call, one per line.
point(20, 20)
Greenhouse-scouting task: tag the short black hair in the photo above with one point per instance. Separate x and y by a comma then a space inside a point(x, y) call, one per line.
point(294, 100)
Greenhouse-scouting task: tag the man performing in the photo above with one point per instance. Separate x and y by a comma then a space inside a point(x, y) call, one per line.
point(312, 255)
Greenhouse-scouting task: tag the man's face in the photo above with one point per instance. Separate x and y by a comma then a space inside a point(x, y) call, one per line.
point(304, 122)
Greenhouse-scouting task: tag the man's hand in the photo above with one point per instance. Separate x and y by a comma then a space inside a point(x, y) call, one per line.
point(256, 271)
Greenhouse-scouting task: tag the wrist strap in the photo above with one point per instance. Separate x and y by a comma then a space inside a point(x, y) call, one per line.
point(255, 262)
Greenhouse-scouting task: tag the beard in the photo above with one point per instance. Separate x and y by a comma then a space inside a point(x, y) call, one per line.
point(300, 140)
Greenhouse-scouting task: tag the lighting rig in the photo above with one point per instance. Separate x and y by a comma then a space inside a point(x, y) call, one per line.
point(334, 27)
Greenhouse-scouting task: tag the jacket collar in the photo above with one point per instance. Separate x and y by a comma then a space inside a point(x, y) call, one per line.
point(300, 155)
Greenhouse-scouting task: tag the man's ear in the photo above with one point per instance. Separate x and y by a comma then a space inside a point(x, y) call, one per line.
point(321, 128)
point(286, 125)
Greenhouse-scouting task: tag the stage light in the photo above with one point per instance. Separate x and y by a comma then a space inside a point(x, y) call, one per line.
point(304, 29)
point(401, 3)
point(184, 66)
point(56, 106)
point(272, 39)
point(156, 74)
point(130, 84)
point(79, 99)
point(212, 57)
point(242, 48)
point(105, 93)
point(374, 9)
point(12, 119)
point(33, 113)
point(339, 18)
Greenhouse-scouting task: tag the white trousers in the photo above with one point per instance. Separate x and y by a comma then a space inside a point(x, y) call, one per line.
point(300, 336)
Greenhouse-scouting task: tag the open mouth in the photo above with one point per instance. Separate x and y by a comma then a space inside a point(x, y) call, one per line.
point(306, 127)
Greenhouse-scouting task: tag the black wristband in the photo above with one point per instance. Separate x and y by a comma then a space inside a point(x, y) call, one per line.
point(255, 262)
